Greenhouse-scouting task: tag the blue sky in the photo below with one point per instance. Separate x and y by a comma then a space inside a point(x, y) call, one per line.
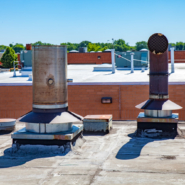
point(57, 21)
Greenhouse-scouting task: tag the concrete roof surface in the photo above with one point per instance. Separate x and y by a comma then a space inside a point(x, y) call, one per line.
point(85, 73)
point(115, 158)
point(7, 77)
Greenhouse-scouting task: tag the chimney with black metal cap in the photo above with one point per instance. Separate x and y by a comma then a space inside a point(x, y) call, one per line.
point(158, 109)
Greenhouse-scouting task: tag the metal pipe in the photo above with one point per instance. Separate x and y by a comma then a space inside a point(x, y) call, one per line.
point(172, 60)
point(158, 45)
point(113, 60)
point(14, 72)
point(158, 113)
point(132, 62)
point(49, 77)
point(158, 86)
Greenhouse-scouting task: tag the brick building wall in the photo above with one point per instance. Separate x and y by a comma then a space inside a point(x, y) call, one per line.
point(101, 58)
point(89, 58)
point(16, 101)
point(178, 55)
point(92, 58)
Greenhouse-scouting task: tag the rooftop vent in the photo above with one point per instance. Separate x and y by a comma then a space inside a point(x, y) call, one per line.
point(157, 43)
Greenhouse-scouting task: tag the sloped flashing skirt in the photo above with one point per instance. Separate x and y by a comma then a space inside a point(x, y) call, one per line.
point(157, 104)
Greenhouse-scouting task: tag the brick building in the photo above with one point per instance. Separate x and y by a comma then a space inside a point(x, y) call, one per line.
point(103, 57)
point(86, 99)
point(89, 58)
point(178, 55)
point(88, 87)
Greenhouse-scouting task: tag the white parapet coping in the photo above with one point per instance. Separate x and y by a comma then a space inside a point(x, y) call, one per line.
point(94, 83)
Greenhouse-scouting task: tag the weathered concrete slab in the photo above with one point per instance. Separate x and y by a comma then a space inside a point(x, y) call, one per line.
point(115, 158)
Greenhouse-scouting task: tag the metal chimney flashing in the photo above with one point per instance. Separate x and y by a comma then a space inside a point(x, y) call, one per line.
point(158, 104)
point(47, 118)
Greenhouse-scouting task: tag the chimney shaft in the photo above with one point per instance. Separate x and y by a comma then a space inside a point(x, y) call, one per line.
point(49, 78)
point(159, 74)
point(158, 45)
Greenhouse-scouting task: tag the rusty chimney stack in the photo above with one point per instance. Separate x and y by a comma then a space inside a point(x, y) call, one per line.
point(158, 107)
point(49, 122)
point(28, 47)
point(49, 78)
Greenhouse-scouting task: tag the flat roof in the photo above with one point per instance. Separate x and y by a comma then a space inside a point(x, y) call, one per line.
point(116, 158)
point(85, 74)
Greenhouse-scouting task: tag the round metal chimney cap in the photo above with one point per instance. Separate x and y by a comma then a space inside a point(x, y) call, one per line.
point(157, 43)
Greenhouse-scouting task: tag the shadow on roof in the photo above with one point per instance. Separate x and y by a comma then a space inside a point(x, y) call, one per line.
point(132, 149)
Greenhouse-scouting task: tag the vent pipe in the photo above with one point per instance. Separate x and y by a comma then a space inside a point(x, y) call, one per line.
point(158, 104)
point(49, 78)
point(113, 60)
point(172, 60)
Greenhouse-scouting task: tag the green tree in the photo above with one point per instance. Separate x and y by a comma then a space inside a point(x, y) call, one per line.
point(141, 45)
point(104, 48)
point(18, 47)
point(16, 58)
point(39, 43)
point(120, 42)
point(179, 45)
point(71, 46)
point(8, 58)
point(172, 44)
point(93, 47)
point(133, 48)
point(84, 43)
point(3, 47)
point(121, 45)
point(108, 45)
point(118, 47)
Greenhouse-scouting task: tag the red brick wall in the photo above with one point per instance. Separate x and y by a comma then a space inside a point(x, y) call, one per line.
point(89, 58)
point(16, 101)
point(18, 58)
point(179, 56)
point(92, 58)
point(87, 99)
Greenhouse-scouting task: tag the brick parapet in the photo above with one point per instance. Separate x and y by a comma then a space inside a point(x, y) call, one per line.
point(93, 58)
point(85, 99)
point(89, 58)
point(178, 55)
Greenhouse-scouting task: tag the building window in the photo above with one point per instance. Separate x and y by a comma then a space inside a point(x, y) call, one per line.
point(99, 57)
